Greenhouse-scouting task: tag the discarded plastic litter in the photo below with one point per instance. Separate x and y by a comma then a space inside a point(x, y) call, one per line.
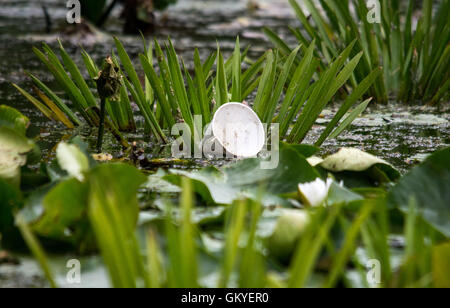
point(239, 130)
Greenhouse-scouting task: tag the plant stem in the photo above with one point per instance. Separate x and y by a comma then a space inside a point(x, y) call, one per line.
point(102, 125)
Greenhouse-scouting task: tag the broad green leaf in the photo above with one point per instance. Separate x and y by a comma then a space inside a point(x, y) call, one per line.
point(351, 159)
point(247, 178)
point(14, 148)
point(13, 119)
point(113, 212)
point(64, 208)
point(428, 184)
point(441, 265)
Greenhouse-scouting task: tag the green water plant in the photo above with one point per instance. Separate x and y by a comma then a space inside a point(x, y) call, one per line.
point(414, 55)
point(202, 237)
point(291, 90)
point(329, 246)
point(108, 87)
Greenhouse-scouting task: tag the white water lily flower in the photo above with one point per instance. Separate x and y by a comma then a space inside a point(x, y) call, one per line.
point(315, 193)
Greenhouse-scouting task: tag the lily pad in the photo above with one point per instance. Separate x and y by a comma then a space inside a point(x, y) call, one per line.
point(349, 163)
point(13, 150)
point(64, 205)
point(13, 119)
point(340, 194)
point(315, 160)
point(429, 185)
point(156, 183)
point(246, 178)
point(289, 228)
point(120, 193)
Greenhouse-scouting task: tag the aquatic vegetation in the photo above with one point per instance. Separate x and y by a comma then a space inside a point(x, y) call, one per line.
point(296, 215)
point(315, 193)
point(108, 87)
point(415, 58)
point(286, 90)
point(256, 245)
point(15, 147)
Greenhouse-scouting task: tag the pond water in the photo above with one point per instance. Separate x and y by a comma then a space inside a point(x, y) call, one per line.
point(400, 134)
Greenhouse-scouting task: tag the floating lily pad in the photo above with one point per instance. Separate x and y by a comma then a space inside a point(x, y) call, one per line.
point(429, 185)
point(289, 227)
point(63, 206)
point(247, 178)
point(340, 194)
point(122, 192)
point(13, 119)
point(358, 168)
point(13, 150)
point(156, 183)
point(315, 160)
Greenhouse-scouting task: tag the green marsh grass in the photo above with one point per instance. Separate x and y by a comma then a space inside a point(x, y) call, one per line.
point(244, 262)
point(291, 89)
point(415, 58)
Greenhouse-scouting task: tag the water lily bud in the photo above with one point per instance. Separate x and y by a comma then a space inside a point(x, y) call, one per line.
point(289, 228)
point(109, 80)
point(314, 193)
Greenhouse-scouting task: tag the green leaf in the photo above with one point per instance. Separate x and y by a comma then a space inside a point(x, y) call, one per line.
point(349, 101)
point(278, 89)
point(351, 159)
point(428, 185)
point(265, 85)
point(55, 99)
point(77, 77)
point(201, 87)
point(178, 85)
point(64, 209)
point(247, 178)
point(350, 118)
point(44, 109)
point(221, 89)
point(441, 265)
point(13, 150)
point(236, 88)
point(13, 119)
point(159, 89)
point(113, 212)
point(136, 89)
